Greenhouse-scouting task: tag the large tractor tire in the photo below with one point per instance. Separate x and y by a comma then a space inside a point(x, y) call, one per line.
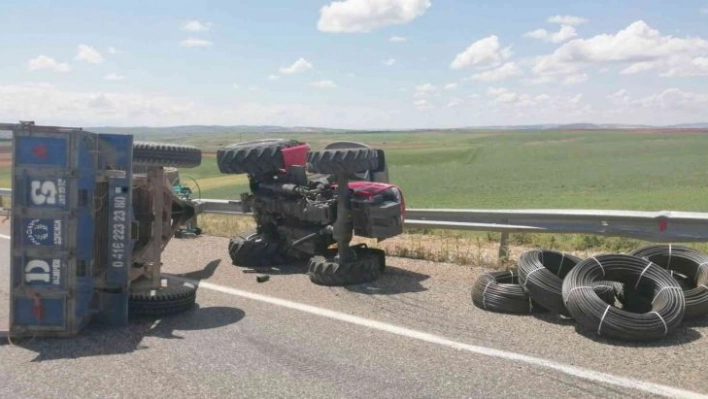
point(346, 161)
point(177, 297)
point(147, 153)
point(254, 157)
point(253, 250)
point(368, 267)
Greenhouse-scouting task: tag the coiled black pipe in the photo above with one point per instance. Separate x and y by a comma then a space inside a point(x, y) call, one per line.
point(684, 264)
point(541, 275)
point(501, 292)
point(591, 312)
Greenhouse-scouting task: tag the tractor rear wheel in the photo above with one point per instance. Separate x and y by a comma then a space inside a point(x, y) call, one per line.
point(253, 157)
point(368, 266)
point(177, 297)
point(343, 160)
point(253, 249)
point(162, 154)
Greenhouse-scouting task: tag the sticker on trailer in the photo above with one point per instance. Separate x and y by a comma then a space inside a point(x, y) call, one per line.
point(41, 151)
point(43, 231)
point(44, 192)
point(43, 273)
point(119, 229)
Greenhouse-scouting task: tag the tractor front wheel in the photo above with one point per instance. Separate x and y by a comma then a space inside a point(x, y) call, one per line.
point(367, 266)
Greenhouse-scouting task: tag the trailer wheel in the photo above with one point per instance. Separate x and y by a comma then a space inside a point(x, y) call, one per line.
point(177, 297)
point(162, 154)
point(343, 160)
point(252, 249)
point(254, 157)
point(368, 266)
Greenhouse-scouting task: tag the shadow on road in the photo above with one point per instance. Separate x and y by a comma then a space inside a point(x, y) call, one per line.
point(394, 281)
point(203, 274)
point(681, 336)
point(100, 340)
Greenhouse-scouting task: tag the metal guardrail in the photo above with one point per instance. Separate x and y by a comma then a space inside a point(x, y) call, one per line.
point(664, 226)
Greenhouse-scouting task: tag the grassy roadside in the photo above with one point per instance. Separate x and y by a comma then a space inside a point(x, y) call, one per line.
point(463, 248)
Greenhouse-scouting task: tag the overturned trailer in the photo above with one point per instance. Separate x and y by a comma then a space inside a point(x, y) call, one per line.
point(91, 215)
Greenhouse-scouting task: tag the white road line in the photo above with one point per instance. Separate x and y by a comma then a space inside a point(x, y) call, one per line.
point(587, 374)
point(579, 372)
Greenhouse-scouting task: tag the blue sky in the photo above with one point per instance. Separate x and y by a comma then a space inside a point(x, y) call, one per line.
point(354, 63)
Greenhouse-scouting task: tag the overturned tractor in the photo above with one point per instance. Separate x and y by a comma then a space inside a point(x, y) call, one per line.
point(306, 203)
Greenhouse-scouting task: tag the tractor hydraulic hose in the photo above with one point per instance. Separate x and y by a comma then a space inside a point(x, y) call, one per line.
point(692, 267)
point(541, 274)
point(299, 241)
point(500, 292)
point(594, 314)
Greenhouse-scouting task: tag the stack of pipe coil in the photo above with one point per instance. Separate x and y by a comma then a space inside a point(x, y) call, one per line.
point(644, 295)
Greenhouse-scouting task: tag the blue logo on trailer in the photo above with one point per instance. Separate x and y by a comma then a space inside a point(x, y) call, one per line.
point(44, 232)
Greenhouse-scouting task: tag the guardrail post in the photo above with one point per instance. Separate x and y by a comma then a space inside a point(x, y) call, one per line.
point(504, 248)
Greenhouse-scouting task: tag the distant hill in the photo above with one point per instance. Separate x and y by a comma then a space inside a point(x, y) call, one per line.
point(143, 131)
point(208, 129)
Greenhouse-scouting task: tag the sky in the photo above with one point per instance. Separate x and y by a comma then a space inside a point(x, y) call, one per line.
point(355, 64)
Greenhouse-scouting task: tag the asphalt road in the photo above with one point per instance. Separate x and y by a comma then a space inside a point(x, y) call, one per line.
point(289, 338)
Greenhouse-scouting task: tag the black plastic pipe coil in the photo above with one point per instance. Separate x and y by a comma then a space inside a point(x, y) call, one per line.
point(501, 292)
point(591, 312)
point(541, 275)
point(689, 267)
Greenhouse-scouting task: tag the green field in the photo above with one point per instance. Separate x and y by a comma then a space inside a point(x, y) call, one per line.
point(598, 169)
point(519, 169)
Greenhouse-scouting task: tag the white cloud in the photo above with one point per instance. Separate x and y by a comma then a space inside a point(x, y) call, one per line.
point(423, 104)
point(389, 62)
point(424, 90)
point(73, 107)
point(575, 79)
point(95, 108)
point(504, 72)
point(42, 62)
point(113, 50)
point(114, 76)
point(620, 97)
point(486, 52)
point(273, 77)
point(566, 32)
point(566, 20)
point(192, 42)
point(542, 104)
point(301, 65)
point(196, 26)
point(454, 102)
point(88, 54)
point(397, 39)
point(367, 15)
point(324, 84)
point(450, 86)
point(697, 66)
point(639, 67)
point(674, 99)
point(637, 43)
